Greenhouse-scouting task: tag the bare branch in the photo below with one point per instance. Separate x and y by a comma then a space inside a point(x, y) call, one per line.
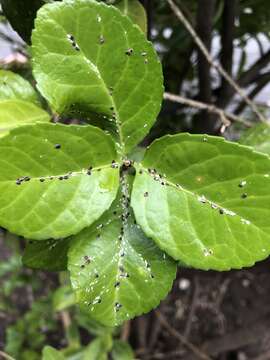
point(199, 353)
point(209, 58)
point(225, 116)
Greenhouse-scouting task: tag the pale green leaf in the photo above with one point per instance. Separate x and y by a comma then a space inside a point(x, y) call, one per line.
point(116, 272)
point(50, 255)
point(87, 56)
point(135, 10)
point(205, 201)
point(122, 351)
point(15, 87)
point(258, 137)
point(14, 113)
point(46, 190)
point(49, 353)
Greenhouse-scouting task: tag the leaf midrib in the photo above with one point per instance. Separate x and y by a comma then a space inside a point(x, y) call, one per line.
point(219, 207)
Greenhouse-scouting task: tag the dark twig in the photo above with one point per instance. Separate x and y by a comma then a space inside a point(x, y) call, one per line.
point(177, 11)
point(194, 349)
point(193, 307)
point(225, 116)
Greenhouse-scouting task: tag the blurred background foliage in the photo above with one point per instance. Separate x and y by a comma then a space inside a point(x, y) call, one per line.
point(37, 308)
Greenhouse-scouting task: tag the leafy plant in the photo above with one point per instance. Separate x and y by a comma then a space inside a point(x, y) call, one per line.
point(119, 224)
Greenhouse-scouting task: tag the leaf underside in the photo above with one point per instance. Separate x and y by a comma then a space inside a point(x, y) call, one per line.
point(205, 201)
point(46, 187)
point(116, 272)
point(90, 58)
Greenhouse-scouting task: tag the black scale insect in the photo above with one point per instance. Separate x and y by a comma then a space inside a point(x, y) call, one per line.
point(73, 42)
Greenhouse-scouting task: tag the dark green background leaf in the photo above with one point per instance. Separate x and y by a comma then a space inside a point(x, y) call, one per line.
point(48, 255)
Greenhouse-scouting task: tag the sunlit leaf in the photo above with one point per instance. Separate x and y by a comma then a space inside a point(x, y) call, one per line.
point(15, 87)
point(88, 57)
point(116, 272)
point(14, 113)
point(205, 201)
point(47, 189)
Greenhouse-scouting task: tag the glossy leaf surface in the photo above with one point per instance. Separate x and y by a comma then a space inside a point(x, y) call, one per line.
point(14, 87)
point(89, 57)
point(14, 113)
point(46, 189)
point(258, 137)
point(116, 272)
point(205, 201)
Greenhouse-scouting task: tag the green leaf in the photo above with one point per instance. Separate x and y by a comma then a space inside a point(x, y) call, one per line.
point(21, 15)
point(135, 10)
point(46, 189)
point(116, 272)
point(49, 353)
point(122, 351)
point(258, 137)
point(15, 87)
point(106, 67)
point(98, 348)
point(205, 201)
point(50, 255)
point(14, 113)
point(63, 298)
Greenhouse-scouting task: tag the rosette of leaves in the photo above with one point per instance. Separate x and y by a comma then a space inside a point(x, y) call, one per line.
point(120, 226)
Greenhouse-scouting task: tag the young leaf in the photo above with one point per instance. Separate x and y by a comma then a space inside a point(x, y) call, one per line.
point(135, 10)
point(205, 201)
point(47, 189)
point(116, 272)
point(14, 113)
point(50, 255)
point(87, 56)
point(258, 137)
point(15, 87)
